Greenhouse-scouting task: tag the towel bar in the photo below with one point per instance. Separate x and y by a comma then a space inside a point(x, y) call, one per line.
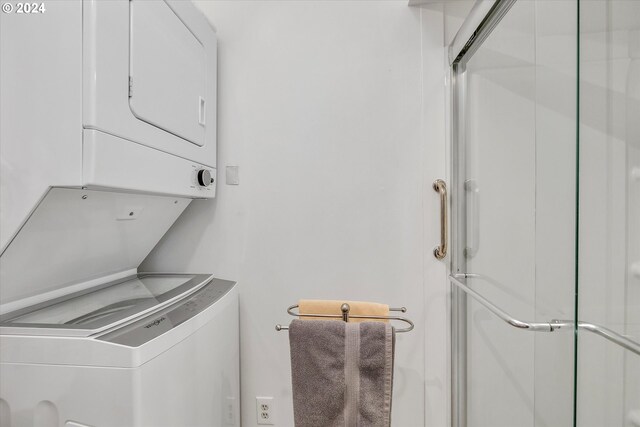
point(551, 326)
point(345, 316)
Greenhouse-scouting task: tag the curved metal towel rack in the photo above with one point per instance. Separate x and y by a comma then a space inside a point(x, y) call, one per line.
point(551, 326)
point(345, 316)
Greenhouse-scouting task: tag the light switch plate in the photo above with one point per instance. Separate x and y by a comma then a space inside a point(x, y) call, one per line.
point(233, 177)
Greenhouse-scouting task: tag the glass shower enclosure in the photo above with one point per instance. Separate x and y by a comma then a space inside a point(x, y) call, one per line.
point(545, 215)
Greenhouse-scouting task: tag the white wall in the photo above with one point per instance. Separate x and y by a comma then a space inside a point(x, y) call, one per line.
point(321, 105)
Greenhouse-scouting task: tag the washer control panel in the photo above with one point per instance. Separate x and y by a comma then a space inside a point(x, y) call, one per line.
point(150, 327)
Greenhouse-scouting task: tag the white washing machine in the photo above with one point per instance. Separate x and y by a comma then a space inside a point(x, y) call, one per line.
point(96, 359)
point(87, 340)
point(108, 114)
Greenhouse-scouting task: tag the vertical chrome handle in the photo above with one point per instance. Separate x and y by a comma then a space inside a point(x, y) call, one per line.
point(441, 188)
point(473, 218)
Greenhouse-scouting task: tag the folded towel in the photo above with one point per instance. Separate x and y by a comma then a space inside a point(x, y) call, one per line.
point(342, 373)
point(317, 306)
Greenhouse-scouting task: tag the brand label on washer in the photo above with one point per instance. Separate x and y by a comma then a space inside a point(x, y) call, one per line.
point(155, 322)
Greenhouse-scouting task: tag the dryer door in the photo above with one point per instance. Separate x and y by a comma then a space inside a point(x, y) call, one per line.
point(167, 71)
point(149, 77)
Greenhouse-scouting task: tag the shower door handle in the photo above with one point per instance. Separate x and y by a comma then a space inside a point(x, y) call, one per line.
point(441, 188)
point(473, 215)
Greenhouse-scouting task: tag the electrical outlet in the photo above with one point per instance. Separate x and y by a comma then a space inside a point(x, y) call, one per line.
point(265, 410)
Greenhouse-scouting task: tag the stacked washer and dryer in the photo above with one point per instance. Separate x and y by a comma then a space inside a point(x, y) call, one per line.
point(107, 134)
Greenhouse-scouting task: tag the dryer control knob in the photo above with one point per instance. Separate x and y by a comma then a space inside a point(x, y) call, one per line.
point(204, 177)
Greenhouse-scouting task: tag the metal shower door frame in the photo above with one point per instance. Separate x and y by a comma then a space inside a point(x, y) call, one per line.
point(460, 52)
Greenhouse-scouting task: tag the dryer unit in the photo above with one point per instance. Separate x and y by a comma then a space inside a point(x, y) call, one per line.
point(114, 94)
point(87, 340)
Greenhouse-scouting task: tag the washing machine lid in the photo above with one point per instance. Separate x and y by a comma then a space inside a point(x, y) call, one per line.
point(76, 239)
point(94, 310)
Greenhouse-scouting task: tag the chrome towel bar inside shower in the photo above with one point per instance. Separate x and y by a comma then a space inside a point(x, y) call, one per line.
point(506, 317)
point(612, 336)
point(551, 326)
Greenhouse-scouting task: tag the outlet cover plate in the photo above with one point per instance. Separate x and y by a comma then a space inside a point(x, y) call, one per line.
point(265, 411)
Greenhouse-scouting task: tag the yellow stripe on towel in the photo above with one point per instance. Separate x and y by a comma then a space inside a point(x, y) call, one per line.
point(362, 308)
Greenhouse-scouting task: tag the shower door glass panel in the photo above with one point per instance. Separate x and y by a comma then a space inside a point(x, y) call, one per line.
point(514, 196)
point(608, 382)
